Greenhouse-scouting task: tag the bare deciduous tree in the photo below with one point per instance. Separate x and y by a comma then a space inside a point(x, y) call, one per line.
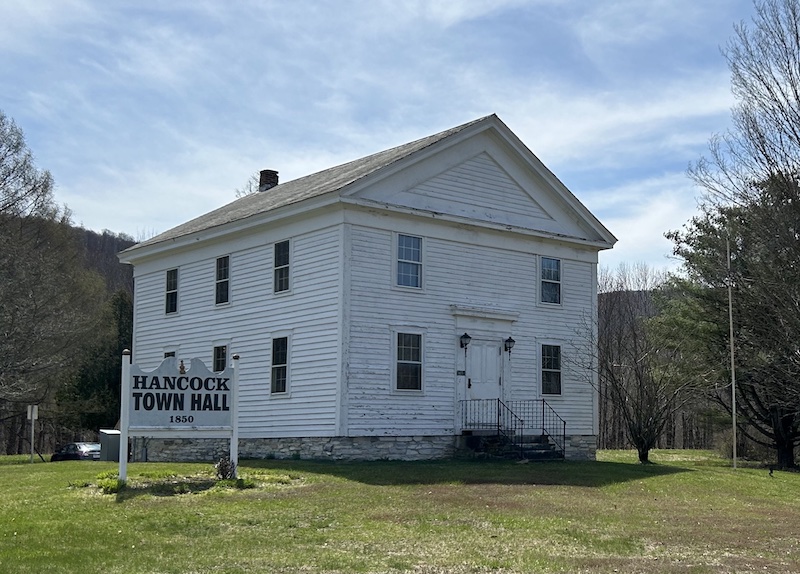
point(764, 141)
point(752, 203)
point(250, 186)
point(24, 189)
point(639, 371)
point(48, 301)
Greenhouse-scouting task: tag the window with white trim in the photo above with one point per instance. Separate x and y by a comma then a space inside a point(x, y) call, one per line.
point(409, 261)
point(280, 365)
point(551, 280)
point(220, 358)
point(551, 369)
point(171, 298)
point(223, 280)
point(281, 267)
point(408, 370)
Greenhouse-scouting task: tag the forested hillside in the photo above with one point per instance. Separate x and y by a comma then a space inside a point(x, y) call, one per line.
point(77, 390)
point(65, 309)
point(100, 253)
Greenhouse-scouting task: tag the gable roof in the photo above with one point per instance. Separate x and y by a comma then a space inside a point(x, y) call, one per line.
point(336, 179)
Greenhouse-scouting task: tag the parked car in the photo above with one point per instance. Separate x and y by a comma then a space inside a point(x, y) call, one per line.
point(77, 451)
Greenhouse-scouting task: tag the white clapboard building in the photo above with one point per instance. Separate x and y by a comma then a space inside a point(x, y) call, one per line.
point(434, 296)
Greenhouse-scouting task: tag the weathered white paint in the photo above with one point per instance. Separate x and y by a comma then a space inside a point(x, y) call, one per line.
point(495, 181)
point(255, 315)
point(495, 294)
point(484, 370)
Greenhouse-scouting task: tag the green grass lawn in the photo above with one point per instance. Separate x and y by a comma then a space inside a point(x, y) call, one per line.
point(688, 512)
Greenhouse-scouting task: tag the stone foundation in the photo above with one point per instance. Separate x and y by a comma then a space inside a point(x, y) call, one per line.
point(579, 447)
point(316, 448)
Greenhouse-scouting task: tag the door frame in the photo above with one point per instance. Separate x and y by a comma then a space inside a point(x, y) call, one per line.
point(482, 324)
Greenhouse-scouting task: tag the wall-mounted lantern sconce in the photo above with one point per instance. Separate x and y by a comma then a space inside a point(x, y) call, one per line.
point(464, 340)
point(509, 344)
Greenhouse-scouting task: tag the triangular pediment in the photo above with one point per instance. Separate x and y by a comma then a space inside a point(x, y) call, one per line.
point(477, 189)
point(484, 181)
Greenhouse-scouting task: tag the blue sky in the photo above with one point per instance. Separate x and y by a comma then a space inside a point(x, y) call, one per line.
point(151, 113)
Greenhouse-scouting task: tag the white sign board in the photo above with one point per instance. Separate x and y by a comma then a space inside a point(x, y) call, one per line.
point(181, 401)
point(178, 401)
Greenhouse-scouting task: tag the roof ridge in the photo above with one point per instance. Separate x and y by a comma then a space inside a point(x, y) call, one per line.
point(316, 184)
point(411, 146)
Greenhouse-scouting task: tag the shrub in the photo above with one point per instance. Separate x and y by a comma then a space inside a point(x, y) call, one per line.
point(108, 474)
point(110, 485)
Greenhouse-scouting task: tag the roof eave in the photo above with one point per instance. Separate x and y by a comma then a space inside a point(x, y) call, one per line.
point(598, 245)
point(137, 254)
point(569, 198)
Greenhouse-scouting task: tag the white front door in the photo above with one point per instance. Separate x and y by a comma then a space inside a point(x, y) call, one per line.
point(484, 370)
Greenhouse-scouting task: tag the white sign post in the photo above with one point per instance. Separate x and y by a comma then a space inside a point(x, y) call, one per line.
point(33, 414)
point(124, 414)
point(175, 401)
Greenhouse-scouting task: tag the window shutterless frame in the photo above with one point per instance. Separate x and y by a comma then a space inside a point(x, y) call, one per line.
point(408, 361)
point(551, 369)
point(408, 271)
point(550, 284)
point(222, 283)
point(279, 373)
point(281, 281)
point(171, 292)
point(220, 358)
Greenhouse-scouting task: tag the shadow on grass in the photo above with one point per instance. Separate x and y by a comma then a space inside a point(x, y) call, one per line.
point(21, 459)
point(385, 473)
point(165, 487)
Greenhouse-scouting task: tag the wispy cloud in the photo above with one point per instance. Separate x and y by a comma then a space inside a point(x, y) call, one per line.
point(640, 213)
point(150, 113)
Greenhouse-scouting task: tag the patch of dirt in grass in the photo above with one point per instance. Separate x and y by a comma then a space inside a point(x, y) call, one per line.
point(166, 487)
point(166, 484)
point(689, 561)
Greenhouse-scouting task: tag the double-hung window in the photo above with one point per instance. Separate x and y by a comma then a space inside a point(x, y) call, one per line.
point(551, 369)
point(280, 365)
point(409, 362)
point(223, 280)
point(551, 280)
point(220, 358)
point(171, 302)
point(281, 267)
point(409, 261)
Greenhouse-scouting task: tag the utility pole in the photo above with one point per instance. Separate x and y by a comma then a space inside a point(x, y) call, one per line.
point(33, 414)
point(730, 338)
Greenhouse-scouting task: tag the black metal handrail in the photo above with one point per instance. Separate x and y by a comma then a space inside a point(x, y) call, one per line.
point(515, 420)
point(540, 417)
point(510, 425)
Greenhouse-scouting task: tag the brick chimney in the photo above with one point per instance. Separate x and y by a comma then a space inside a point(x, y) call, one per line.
point(268, 179)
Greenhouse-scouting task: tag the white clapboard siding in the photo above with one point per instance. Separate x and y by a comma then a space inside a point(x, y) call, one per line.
point(308, 315)
point(570, 326)
point(454, 274)
point(478, 188)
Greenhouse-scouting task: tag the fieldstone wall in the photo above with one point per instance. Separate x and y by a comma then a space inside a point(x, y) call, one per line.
point(579, 447)
point(179, 449)
point(318, 448)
